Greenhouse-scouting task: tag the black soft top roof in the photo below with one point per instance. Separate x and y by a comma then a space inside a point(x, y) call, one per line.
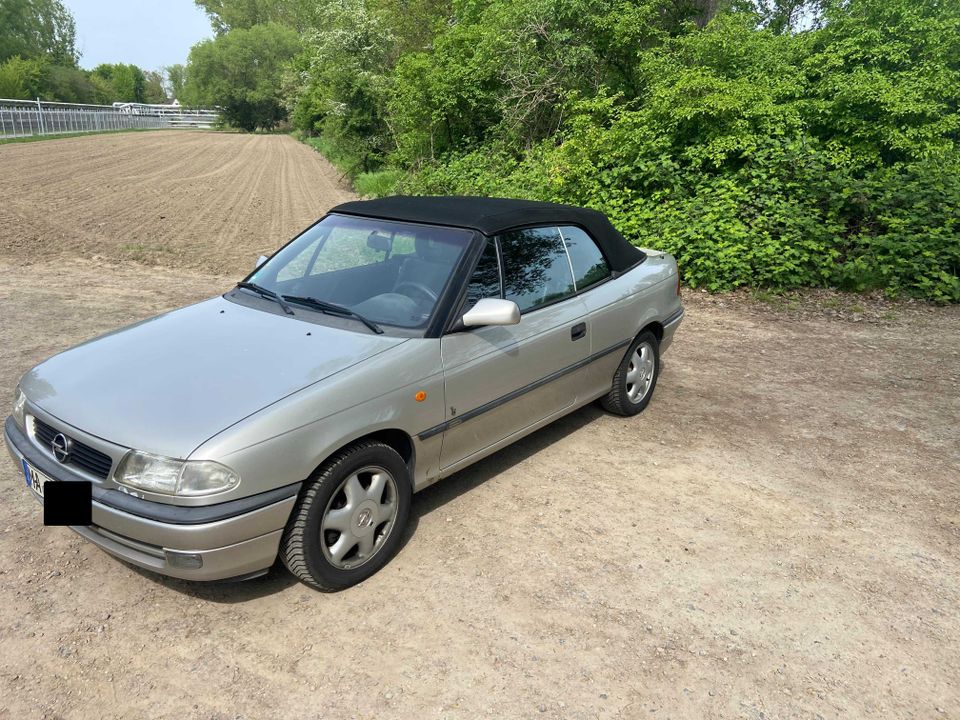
point(495, 215)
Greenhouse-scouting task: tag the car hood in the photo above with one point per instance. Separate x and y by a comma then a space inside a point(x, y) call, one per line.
point(167, 384)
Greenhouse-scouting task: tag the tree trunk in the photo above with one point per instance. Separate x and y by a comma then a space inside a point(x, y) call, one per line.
point(703, 11)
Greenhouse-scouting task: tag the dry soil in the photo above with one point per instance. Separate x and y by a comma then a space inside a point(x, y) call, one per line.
point(776, 536)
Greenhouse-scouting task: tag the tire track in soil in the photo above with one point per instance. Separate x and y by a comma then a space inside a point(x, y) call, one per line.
point(161, 197)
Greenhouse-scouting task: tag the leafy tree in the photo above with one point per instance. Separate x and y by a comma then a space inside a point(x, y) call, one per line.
point(240, 71)
point(153, 90)
point(227, 15)
point(413, 23)
point(504, 70)
point(68, 84)
point(176, 80)
point(119, 83)
point(38, 56)
point(103, 93)
point(38, 28)
point(782, 16)
point(344, 85)
point(885, 77)
point(129, 83)
point(767, 158)
point(22, 79)
point(37, 78)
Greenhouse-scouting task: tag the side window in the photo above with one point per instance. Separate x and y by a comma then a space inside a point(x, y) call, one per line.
point(589, 265)
point(485, 282)
point(535, 267)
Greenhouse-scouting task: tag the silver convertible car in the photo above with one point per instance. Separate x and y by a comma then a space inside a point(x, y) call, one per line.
point(389, 345)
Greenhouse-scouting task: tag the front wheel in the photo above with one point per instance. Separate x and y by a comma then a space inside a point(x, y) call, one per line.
point(349, 519)
point(636, 377)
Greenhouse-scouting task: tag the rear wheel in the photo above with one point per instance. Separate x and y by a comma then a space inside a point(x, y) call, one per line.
point(350, 517)
point(636, 377)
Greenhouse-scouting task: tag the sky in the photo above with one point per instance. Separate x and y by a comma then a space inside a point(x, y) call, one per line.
point(147, 33)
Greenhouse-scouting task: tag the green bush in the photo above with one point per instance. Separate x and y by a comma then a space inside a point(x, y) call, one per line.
point(377, 184)
point(23, 79)
point(341, 155)
point(759, 152)
point(828, 157)
point(240, 72)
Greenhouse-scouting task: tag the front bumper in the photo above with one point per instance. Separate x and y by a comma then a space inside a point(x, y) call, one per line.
point(213, 542)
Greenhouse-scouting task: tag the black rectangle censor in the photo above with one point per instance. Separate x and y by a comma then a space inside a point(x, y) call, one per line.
point(67, 503)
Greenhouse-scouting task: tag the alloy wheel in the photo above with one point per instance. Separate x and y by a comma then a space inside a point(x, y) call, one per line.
point(640, 372)
point(359, 518)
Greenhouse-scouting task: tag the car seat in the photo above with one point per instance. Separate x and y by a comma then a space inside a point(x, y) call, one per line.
point(430, 264)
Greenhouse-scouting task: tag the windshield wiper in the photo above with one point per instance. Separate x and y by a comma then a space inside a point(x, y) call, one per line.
point(269, 294)
point(333, 309)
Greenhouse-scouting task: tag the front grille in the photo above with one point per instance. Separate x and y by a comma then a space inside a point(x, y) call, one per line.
point(82, 456)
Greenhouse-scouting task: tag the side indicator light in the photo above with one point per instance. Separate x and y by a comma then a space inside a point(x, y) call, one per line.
point(420, 396)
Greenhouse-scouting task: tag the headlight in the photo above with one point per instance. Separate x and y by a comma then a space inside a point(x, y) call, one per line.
point(158, 474)
point(203, 477)
point(19, 405)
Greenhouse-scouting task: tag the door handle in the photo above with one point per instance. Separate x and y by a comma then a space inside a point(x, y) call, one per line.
point(578, 331)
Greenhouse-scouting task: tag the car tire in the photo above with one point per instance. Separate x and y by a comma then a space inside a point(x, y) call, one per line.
point(636, 377)
point(350, 517)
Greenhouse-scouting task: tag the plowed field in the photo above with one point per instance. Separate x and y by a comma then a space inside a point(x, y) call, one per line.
point(191, 199)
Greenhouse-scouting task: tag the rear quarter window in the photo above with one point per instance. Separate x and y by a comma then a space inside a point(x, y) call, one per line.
point(589, 265)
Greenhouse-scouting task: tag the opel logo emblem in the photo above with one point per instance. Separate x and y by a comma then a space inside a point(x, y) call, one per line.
point(364, 518)
point(61, 447)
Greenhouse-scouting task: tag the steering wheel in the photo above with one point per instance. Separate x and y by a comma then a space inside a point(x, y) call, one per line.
point(419, 287)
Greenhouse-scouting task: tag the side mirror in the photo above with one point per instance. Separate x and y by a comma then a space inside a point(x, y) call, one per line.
point(492, 311)
point(260, 261)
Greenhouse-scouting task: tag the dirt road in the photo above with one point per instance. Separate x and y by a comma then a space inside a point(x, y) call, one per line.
point(776, 536)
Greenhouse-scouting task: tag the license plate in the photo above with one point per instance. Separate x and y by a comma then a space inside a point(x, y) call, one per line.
point(35, 479)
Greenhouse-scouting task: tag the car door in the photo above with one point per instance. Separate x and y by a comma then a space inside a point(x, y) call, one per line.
point(611, 312)
point(501, 380)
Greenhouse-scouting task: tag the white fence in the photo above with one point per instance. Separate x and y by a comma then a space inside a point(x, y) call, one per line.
point(23, 118)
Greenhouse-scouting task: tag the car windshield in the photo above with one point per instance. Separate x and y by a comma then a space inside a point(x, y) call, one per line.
point(386, 272)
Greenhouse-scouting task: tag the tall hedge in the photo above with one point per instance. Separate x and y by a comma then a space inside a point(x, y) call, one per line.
point(825, 157)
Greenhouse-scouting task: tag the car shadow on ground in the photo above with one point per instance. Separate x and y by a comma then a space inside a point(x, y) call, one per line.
point(425, 502)
point(442, 492)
